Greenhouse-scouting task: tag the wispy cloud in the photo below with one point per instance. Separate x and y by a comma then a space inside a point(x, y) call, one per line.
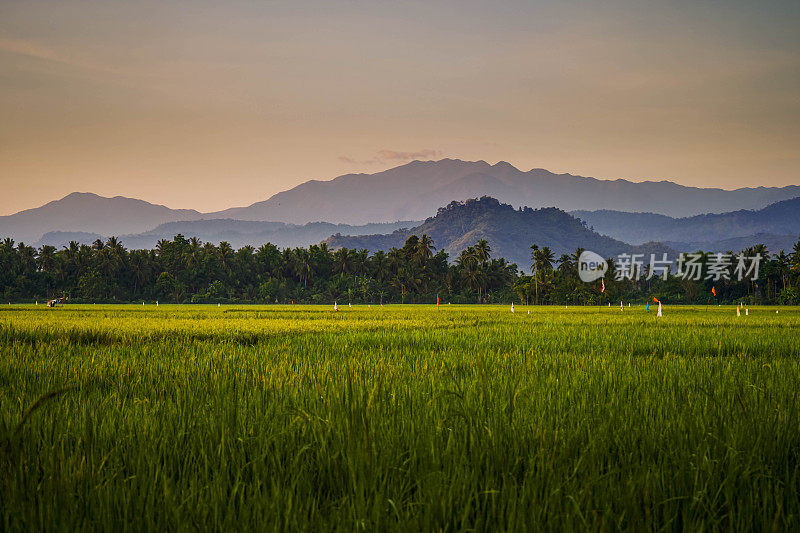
point(426, 153)
point(385, 156)
point(37, 51)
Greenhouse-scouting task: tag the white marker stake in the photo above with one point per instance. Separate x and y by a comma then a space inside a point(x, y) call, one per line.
point(746, 312)
point(512, 307)
point(738, 313)
point(659, 309)
point(621, 307)
point(335, 306)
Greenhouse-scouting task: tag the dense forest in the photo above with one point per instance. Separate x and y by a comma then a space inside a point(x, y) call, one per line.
point(188, 271)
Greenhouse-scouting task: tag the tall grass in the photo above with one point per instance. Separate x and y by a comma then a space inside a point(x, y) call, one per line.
point(399, 418)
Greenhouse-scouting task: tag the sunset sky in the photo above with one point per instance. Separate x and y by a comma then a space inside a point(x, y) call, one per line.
point(208, 106)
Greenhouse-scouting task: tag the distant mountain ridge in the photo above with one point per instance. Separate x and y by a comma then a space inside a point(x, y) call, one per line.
point(408, 192)
point(90, 213)
point(237, 233)
point(509, 231)
point(777, 224)
point(414, 190)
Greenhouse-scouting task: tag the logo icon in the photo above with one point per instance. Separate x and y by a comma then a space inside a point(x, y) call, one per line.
point(591, 266)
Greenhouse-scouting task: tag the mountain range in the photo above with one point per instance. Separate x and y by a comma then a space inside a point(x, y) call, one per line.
point(509, 231)
point(90, 214)
point(237, 233)
point(409, 192)
point(776, 225)
point(415, 190)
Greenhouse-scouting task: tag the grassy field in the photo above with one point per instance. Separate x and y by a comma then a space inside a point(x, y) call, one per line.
point(398, 418)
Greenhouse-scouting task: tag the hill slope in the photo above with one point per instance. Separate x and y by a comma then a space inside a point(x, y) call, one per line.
point(509, 231)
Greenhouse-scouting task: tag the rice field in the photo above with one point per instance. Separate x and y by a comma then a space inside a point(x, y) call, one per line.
point(407, 418)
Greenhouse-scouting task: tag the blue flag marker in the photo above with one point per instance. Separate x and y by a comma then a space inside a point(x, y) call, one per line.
point(647, 307)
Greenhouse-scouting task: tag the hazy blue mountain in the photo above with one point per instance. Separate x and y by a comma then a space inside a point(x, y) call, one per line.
point(242, 232)
point(415, 190)
point(236, 232)
point(59, 239)
point(510, 232)
point(777, 220)
point(87, 212)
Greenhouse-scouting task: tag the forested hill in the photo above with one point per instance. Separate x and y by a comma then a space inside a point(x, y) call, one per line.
point(510, 232)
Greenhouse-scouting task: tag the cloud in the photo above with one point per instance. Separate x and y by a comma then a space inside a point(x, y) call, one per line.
point(383, 156)
point(426, 153)
point(37, 51)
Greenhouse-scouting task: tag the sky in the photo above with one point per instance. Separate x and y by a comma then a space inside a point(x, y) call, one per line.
point(212, 105)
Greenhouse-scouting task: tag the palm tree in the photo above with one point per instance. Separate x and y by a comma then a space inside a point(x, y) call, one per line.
point(47, 258)
point(482, 252)
point(783, 268)
point(343, 263)
point(425, 247)
point(116, 252)
point(380, 265)
point(140, 268)
point(547, 258)
point(576, 255)
point(795, 255)
point(303, 265)
point(224, 256)
point(26, 255)
point(193, 253)
point(405, 280)
point(535, 257)
point(565, 263)
point(47, 263)
point(753, 251)
point(542, 263)
point(470, 268)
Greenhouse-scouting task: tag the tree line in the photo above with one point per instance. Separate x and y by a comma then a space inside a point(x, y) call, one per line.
point(189, 271)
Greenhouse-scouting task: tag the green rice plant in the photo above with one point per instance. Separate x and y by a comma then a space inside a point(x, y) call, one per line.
point(399, 418)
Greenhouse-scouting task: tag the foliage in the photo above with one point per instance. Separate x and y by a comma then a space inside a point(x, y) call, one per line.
point(186, 270)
